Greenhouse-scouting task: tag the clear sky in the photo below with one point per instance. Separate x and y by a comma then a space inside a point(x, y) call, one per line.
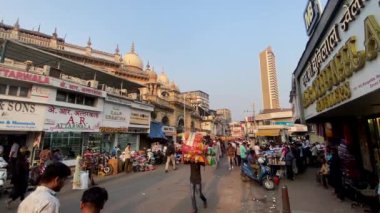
point(208, 45)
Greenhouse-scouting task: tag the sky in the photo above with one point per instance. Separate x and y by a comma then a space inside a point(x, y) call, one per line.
point(208, 45)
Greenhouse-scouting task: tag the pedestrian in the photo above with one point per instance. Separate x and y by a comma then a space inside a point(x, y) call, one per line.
point(243, 152)
point(20, 177)
point(88, 164)
point(289, 157)
point(115, 151)
point(196, 185)
point(127, 155)
point(57, 155)
point(238, 157)
point(324, 172)
point(13, 157)
point(314, 154)
point(336, 174)
point(93, 200)
point(170, 151)
point(43, 199)
point(230, 155)
point(45, 156)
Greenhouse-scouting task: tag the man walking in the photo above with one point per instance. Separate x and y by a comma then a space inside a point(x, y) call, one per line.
point(43, 199)
point(231, 155)
point(127, 154)
point(243, 152)
point(170, 156)
point(196, 185)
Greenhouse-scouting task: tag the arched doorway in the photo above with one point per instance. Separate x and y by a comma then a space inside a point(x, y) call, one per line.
point(180, 125)
point(165, 120)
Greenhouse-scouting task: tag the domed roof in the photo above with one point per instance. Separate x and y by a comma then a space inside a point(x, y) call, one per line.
point(173, 86)
point(132, 60)
point(163, 78)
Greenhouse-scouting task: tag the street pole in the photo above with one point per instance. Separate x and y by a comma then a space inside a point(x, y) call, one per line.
point(184, 113)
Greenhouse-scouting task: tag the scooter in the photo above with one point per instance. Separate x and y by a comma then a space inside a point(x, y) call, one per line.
point(263, 177)
point(3, 174)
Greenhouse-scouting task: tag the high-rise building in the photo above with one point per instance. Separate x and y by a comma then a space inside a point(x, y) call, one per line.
point(269, 86)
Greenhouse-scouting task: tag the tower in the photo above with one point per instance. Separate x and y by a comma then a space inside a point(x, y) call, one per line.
point(269, 86)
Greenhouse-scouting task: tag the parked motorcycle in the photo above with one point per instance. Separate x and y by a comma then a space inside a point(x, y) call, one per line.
point(262, 176)
point(3, 174)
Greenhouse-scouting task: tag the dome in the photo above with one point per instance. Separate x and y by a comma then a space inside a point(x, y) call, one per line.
point(152, 75)
point(173, 86)
point(132, 60)
point(163, 78)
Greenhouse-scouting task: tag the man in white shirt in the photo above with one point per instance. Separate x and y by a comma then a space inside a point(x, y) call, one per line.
point(43, 200)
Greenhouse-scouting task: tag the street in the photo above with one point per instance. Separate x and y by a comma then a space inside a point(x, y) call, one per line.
point(158, 191)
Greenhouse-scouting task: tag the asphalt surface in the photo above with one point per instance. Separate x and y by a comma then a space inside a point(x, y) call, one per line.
point(157, 191)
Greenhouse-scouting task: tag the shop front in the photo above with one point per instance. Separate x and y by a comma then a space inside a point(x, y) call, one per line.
point(71, 131)
point(170, 133)
point(20, 122)
point(338, 85)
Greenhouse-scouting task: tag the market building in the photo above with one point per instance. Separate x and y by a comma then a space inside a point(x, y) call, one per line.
point(47, 100)
point(336, 85)
point(171, 111)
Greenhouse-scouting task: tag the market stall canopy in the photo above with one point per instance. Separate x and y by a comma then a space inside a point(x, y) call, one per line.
point(297, 128)
point(268, 132)
point(156, 130)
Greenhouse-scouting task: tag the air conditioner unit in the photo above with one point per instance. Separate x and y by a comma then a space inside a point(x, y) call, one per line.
point(132, 95)
point(46, 70)
point(92, 83)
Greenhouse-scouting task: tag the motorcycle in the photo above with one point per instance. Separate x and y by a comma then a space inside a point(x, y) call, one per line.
point(178, 158)
point(262, 176)
point(3, 174)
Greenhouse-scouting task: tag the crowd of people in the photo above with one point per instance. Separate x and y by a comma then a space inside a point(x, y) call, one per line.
point(51, 179)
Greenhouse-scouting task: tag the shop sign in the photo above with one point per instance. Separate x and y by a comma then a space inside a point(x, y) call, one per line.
point(139, 118)
point(62, 119)
point(113, 130)
point(21, 116)
point(115, 116)
point(312, 14)
point(79, 88)
point(168, 130)
point(338, 74)
point(24, 76)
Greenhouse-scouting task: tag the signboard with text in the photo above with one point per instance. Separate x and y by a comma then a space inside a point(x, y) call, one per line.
point(139, 118)
point(345, 65)
point(21, 116)
point(63, 119)
point(312, 14)
point(115, 118)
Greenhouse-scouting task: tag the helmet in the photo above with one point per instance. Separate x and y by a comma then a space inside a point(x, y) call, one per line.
point(261, 160)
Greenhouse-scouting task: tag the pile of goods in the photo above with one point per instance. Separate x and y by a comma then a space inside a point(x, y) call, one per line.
point(193, 149)
point(140, 162)
point(211, 156)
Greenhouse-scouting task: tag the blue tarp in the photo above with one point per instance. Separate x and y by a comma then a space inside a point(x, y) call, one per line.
point(156, 130)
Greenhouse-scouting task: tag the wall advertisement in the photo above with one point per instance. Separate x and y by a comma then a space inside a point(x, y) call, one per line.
point(345, 65)
point(115, 118)
point(21, 116)
point(63, 119)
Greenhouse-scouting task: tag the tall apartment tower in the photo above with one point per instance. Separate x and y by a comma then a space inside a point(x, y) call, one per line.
point(269, 86)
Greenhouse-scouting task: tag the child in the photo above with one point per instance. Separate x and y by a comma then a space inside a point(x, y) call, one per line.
point(324, 172)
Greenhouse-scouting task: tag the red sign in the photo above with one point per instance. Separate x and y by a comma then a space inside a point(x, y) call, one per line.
point(24, 76)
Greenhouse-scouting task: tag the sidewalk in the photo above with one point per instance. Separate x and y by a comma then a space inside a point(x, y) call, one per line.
point(306, 196)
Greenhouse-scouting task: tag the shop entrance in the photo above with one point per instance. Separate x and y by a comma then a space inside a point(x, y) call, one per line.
point(7, 139)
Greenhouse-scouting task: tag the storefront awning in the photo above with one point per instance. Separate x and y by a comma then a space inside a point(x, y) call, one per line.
point(268, 132)
point(156, 130)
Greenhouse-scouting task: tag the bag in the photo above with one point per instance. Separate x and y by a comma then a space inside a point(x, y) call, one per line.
point(84, 179)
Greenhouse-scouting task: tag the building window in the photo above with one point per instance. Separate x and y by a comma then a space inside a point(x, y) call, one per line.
point(75, 98)
point(3, 89)
point(70, 144)
point(12, 90)
point(24, 92)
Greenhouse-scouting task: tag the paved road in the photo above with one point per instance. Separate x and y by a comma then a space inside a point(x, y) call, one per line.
point(157, 191)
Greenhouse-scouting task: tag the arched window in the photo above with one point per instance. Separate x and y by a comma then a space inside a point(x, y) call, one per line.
point(165, 120)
